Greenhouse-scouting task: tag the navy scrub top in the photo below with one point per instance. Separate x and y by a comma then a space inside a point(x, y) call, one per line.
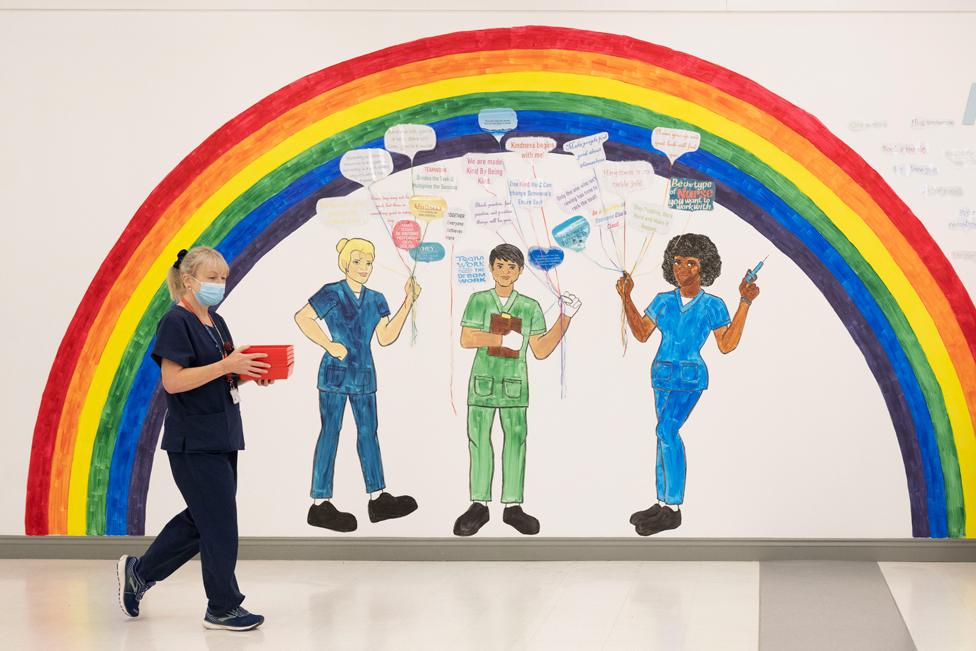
point(204, 419)
point(351, 322)
point(678, 365)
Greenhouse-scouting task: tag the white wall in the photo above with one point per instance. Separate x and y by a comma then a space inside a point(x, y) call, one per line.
point(792, 439)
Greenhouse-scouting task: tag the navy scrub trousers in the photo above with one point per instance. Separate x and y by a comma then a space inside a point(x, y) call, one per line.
point(202, 435)
point(208, 482)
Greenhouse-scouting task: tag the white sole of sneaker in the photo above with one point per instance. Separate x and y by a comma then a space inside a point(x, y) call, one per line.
point(223, 627)
point(120, 579)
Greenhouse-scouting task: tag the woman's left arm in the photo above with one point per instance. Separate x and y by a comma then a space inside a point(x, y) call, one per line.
point(389, 328)
point(727, 337)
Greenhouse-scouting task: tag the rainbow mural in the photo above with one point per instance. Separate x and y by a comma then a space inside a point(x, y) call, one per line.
point(257, 179)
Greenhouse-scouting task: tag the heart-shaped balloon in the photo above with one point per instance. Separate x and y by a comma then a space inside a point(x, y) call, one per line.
point(546, 259)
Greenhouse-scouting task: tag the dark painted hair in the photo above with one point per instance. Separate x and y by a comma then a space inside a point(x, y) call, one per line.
point(508, 253)
point(692, 245)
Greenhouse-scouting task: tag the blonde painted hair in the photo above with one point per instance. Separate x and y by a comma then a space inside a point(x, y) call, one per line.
point(189, 263)
point(347, 247)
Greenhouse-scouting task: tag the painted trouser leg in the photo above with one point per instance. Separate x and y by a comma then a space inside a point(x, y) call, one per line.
point(481, 452)
point(673, 409)
point(513, 453)
point(331, 408)
point(367, 443)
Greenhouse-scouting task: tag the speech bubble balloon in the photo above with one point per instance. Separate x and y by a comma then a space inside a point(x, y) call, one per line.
point(408, 139)
point(428, 208)
point(691, 194)
point(578, 196)
point(391, 207)
point(406, 234)
point(610, 218)
point(366, 166)
point(589, 149)
point(455, 223)
point(626, 177)
point(532, 193)
point(497, 121)
point(434, 178)
point(530, 147)
point(545, 259)
point(492, 213)
point(470, 268)
point(341, 211)
point(484, 169)
point(675, 142)
point(572, 233)
point(649, 217)
point(428, 252)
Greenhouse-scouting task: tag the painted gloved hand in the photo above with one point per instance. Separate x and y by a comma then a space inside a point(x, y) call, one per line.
point(513, 340)
point(570, 304)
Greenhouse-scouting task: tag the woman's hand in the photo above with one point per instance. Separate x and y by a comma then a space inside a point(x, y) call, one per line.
point(337, 350)
point(412, 289)
point(625, 285)
point(243, 363)
point(265, 383)
point(748, 291)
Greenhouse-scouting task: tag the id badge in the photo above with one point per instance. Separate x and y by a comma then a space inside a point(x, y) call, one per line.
point(235, 395)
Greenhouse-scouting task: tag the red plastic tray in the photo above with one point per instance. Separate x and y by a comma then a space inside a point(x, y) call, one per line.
point(281, 358)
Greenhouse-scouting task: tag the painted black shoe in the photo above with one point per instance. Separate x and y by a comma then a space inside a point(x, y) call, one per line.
point(131, 586)
point(471, 520)
point(646, 513)
point(665, 519)
point(387, 507)
point(520, 520)
point(327, 516)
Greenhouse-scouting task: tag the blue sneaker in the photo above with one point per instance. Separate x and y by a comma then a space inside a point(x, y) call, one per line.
point(235, 620)
point(131, 587)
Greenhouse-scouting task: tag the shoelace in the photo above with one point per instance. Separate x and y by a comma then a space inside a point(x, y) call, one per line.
point(139, 586)
point(237, 612)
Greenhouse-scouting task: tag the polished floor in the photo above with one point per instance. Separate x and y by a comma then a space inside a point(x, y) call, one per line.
point(462, 605)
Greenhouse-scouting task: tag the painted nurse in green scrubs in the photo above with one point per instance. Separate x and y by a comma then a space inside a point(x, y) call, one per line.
point(503, 324)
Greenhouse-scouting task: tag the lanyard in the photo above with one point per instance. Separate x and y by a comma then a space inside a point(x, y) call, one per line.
point(221, 347)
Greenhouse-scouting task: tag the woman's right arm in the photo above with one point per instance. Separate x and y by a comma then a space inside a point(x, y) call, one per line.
point(474, 338)
point(177, 379)
point(307, 321)
point(640, 324)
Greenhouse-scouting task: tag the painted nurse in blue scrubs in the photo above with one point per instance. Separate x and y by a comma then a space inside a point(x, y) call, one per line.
point(685, 316)
point(353, 313)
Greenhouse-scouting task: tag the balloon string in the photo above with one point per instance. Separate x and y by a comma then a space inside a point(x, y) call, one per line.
point(369, 188)
point(603, 206)
point(450, 285)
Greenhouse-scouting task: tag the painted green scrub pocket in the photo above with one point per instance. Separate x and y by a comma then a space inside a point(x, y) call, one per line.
point(483, 385)
point(512, 387)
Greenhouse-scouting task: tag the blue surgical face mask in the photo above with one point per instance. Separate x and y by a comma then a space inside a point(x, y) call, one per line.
point(210, 294)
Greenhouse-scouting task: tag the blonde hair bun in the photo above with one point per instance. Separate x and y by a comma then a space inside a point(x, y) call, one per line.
point(341, 245)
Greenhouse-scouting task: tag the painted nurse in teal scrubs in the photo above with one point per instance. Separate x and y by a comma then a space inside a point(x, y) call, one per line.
point(685, 316)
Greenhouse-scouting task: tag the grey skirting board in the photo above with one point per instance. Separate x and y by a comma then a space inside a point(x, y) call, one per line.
point(520, 549)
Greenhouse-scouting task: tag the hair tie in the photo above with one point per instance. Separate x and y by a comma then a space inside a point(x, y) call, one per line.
point(179, 258)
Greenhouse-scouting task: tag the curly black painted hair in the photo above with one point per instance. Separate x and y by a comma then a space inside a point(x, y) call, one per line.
point(693, 245)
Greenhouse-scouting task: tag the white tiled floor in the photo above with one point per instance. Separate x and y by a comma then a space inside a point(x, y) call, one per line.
point(402, 606)
point(937, 602)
